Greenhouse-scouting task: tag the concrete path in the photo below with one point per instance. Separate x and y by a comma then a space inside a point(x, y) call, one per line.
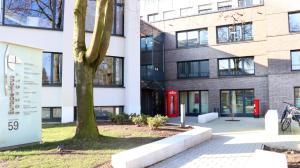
point(232, 146)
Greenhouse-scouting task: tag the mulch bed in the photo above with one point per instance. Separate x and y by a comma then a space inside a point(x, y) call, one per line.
point(293, 156)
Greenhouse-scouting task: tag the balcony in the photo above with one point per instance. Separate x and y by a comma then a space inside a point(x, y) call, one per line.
point(148, 74)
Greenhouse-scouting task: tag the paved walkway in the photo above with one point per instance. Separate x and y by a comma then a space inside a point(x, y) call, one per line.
point(232, 145)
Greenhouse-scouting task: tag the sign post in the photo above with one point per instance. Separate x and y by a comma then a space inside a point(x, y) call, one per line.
point(20, 95)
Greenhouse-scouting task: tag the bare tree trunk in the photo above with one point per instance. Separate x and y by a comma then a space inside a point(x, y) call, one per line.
point(86, 125)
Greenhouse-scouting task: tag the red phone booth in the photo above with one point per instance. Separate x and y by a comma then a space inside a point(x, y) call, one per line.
point(172, 103)
point(256, 108)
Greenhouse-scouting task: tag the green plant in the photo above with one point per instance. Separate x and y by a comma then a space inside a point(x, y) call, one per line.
point(156, 121)
point(121, 118)
point(139, 120)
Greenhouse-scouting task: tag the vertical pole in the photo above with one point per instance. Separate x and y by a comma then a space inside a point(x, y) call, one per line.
point(182, 115)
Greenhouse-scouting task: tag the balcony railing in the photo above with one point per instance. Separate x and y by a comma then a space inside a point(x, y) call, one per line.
point(151, 75)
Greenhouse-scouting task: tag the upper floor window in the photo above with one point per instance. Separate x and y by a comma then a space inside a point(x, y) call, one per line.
point(186, 11)
point(192, 38)
point(52, 69)
point(153, 17)
point(294, 22)
point(169, 14)
point(47, 14)
point(234, 33)
point(147, 43)
point(236, 66)
point(202, 9)
point(118, 19)
point(110, 72)
point(295, 60)
point(226, 5)
point(245, 3)
point(192, 69)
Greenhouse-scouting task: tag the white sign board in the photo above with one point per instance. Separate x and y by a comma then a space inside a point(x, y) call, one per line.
point(20, 95)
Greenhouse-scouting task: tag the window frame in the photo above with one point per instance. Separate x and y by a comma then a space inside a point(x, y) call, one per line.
point(152, 14)
point(51, 115)
point(187, 43)
point(291, 57)
point(187, 76)
point(95, 106)
point(235, 25)
point(239, 75)
point(112, 86)
point(188, 101)
point(32, 27)
point(296, 87)
point(290, 13)
point(51, 84)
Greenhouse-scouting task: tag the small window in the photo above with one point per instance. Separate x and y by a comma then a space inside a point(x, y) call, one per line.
point(245, 3)
point(226, 5)
point(153, 17)
point(202, 9)
point(236, 66)
point(51, 114)
point(169, 15)
point(186, 11)
point(192, 69)
point(147, 43)
point(234, 33)
point(294, 22)
point(102, 113)
point(297, 97)
point(192, 38)
point(295, 60)
point(52, 69)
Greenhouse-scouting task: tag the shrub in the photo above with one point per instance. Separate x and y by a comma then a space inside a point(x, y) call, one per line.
point(139, 120)
point(156, 121)
point(121, 118)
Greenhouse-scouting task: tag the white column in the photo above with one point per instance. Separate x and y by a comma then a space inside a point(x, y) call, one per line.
point(132, 57)
point(68, 65)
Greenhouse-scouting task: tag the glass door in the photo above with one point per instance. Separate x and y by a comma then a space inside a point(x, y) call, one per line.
point(194, 103)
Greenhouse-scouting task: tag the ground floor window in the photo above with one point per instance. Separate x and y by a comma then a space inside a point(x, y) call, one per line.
point(195, 102)
point(51, 114)
point(297, 97)
point(103, 112)
point(237, 101)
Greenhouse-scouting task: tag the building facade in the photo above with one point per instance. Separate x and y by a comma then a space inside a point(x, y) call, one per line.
point(48, 25)
point(221, 54)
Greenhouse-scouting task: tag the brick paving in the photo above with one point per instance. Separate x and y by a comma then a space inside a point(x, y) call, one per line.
point(232, 145)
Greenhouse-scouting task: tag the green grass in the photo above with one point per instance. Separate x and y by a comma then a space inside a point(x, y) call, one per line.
point(77, 153)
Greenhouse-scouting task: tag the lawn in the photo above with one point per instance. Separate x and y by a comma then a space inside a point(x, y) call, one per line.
point(75, 153)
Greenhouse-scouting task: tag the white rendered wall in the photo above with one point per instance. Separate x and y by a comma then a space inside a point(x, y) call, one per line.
point(61, 41)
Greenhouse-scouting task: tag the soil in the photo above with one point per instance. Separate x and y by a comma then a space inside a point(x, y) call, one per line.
point(293, 156)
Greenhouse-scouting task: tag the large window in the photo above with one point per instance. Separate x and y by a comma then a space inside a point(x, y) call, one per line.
point(102, 113)
point(239, 102)
point(118, 23)
point(110, 73)
point(147, 43)
point(47, 14)
point(52, 69)
point(297, 97)
point(51, 114)
point(294, 22)
point(193, 69)
point(295, 60)
point(236, 66)
point(195, 102)
point(234, 33)
point(192, 38)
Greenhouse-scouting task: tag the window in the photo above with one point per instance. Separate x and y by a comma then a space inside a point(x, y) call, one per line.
point(153, 17)
point(202, 9)
point(297, 97)
point(110, 73)
point(51, 114)
point(147, 43)
point(102, 113)
point(236, 66)
point(294, 22)
point(118, 22)
point(47, 14)
point(192, 69)
point(195, 102)
point(239, 102)
point(52, 69)
point(226, 5)
point(234, 33)
point(245, 3)
point(169, 14)
point(295, 60)
point(186, 11)
point(192, 38)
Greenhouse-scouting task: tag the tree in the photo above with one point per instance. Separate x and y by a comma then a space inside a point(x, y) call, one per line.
point(87, 61)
